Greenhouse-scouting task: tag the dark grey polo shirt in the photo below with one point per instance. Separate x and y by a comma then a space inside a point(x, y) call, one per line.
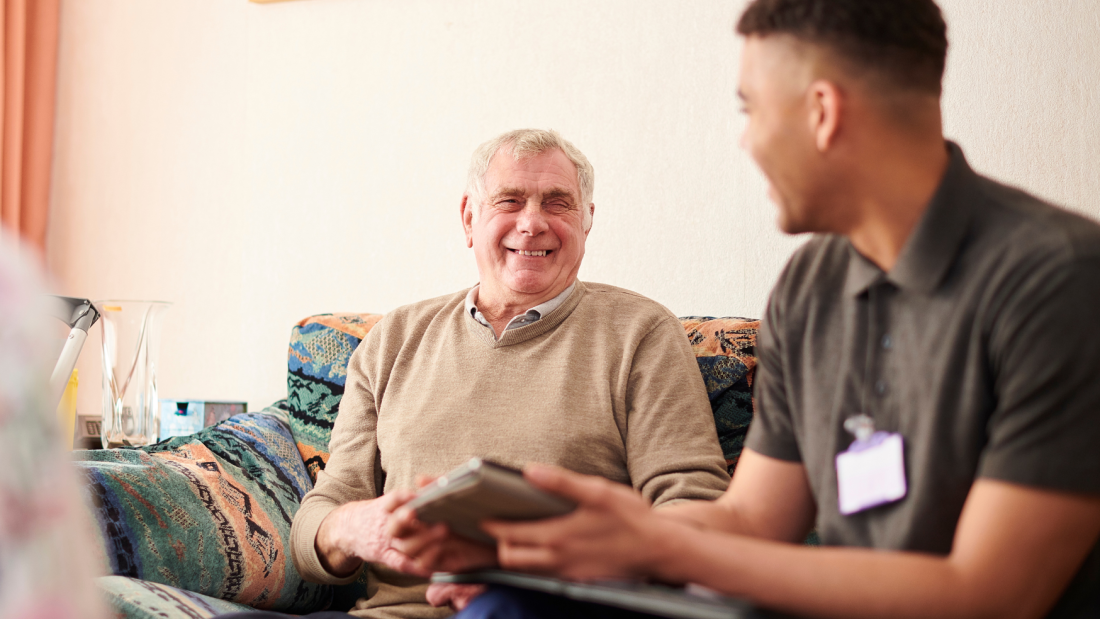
point(981, 347)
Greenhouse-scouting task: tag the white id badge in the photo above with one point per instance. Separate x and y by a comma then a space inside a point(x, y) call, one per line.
point(871, 472)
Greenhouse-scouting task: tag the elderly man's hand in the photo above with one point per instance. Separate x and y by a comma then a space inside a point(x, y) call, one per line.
point(453, 595)
point(357, 532)
point(608, 536)
point(433, 548)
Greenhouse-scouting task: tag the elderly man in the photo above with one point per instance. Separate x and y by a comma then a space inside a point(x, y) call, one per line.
point(530, 364)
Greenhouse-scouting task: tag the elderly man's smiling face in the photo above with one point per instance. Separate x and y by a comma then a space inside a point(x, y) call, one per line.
point(528, 235)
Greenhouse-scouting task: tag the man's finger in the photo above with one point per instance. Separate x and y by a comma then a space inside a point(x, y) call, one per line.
point(393, 500)
point(462, 597)
point(530, 558)
point(440, 593)
point(456, 596)
point(402, 563)
point(538, 532)
point(414, 545)
point(428, 557)
point(402, 523)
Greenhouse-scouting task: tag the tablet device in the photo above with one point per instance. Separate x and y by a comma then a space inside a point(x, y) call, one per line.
point(481, 490)
point(692, 602)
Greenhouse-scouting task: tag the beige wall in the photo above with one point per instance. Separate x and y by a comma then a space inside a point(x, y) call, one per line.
point(256, 164)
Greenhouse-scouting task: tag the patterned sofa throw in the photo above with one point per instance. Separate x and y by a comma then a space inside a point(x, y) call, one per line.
point(320, 347)
point(208, 513)
point(140, 599)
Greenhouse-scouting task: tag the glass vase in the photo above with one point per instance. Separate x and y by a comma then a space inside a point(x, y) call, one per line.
point(131, 339)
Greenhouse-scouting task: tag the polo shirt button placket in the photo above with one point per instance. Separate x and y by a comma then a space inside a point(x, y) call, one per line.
point(881, 385)
point(887, 344)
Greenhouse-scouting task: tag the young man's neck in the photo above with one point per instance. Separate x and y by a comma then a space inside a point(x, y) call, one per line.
point(891, 190)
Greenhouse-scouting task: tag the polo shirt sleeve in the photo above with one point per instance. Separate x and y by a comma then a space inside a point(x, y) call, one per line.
point(772, 431)
point(1044, 354)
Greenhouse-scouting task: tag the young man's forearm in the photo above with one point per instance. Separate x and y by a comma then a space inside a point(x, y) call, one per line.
point(771, 483)
point(832, 582)
point(705, 515)
point(1015, 551)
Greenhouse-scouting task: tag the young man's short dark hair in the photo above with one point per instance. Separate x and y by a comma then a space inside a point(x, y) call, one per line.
point(902, 42)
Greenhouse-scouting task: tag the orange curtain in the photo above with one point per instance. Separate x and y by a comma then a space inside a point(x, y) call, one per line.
point(28, 78)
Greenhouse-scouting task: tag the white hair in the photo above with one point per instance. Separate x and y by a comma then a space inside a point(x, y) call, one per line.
point(524, 143)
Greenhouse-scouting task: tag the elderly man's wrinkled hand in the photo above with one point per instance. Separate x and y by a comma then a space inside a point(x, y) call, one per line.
point(608, 536)
point(454, 595)
point(358, 532)
point(433, 548)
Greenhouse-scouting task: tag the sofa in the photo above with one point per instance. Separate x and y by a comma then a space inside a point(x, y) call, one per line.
point(199, 525)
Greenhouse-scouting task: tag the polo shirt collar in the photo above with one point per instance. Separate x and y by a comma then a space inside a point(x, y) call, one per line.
point(535, 313)
point(934, 243)
point(862, 273)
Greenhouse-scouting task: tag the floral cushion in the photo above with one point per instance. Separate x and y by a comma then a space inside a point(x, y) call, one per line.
point(320, 348)
point(724, 349)
point(209, 512)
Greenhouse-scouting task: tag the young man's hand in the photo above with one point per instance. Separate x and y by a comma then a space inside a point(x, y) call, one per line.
point(611, 534)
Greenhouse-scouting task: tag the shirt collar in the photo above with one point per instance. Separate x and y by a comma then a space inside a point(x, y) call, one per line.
point(862, 273)
point(540, 310)
point(934, 243)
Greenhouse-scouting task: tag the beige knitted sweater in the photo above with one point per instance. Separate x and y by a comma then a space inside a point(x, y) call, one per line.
point(606, 384)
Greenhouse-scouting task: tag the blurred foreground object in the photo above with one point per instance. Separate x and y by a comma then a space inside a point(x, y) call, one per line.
point(46, 560)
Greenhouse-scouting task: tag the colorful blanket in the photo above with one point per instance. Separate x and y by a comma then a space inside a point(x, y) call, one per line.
point(209, 513)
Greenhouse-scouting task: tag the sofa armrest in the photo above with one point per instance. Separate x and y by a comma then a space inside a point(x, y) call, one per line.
point(208, 513)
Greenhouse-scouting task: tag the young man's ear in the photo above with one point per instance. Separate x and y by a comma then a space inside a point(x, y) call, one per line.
point(466, 210)
point(826, 105)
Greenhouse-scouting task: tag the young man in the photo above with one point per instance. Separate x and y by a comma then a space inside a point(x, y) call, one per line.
point(928, 388)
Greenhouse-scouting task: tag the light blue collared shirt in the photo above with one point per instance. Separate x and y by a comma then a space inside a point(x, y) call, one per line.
point(530, 316)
